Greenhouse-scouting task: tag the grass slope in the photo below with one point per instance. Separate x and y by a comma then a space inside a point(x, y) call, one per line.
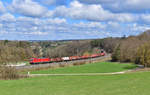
point(126, 84)
point(101, 67)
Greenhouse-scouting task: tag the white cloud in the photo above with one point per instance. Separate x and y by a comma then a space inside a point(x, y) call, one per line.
point(80, 11)
point(121, 5)
point(39, 21)
point(57, 21)
point(91, 12)
point(125, 17)
point(49, 2)
point(35, 33)
point(52, 2)
point(48, 14)
point(30, 28)
point(2, 8)
point(92, 20)
point(137, 4)
point(113, 24)
point(27, 8)
point(96, 1)
point(1, 25)
point(136, 27)
point(145, 18)
point(90, 25)
point(7, 17)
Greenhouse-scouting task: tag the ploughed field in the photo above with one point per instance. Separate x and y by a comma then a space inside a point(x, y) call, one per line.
point(100, 67)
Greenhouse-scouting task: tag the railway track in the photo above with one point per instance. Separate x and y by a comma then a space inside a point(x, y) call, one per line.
point(90, 60)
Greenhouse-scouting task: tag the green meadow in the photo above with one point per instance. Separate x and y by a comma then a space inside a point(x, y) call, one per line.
point(126, 84)
point(99, 67)
point(135, 83)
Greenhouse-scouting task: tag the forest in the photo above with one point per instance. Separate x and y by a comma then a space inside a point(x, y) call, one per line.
point(135, 49)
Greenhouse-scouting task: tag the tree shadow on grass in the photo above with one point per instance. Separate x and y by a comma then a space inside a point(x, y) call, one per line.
point(129, 67)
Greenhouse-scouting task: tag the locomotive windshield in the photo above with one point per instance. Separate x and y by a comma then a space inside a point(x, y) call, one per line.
point(31, 59)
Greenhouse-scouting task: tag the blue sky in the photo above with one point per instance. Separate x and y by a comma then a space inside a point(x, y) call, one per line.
point(72, 19)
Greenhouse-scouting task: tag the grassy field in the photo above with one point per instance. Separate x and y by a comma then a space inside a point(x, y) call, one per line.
point(101, 67)
point(126, 84)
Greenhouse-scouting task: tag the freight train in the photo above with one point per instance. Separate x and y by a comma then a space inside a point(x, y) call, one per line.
point(71, 58)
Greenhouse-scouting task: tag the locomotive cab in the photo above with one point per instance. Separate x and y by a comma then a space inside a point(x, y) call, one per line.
point(31, 60)
point(102, 53)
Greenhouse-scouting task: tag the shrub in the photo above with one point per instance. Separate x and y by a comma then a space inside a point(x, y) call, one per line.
point(116, 54)
point(126, 51)
point(143, 55)
point(63, 65)
point(79, 63)
point(8, 73)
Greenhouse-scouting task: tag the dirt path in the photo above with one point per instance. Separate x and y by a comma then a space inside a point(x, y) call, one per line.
point(89, 74)
point(80, 74)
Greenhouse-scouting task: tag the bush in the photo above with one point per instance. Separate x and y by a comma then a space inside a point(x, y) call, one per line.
point(134, 49)
point(8, 73)
point(116, 54)
point(64, 65)
point(126, 51)
point(143, 55)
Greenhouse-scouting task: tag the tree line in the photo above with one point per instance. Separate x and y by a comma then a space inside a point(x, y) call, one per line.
point(124, 49)
point(134, 49)
point(15, 51)
point(18, 51)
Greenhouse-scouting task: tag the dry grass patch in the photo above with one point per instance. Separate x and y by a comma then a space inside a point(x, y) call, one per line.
point(79, 63)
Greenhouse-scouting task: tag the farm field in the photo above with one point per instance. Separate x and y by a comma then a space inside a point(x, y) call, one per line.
point(100, 67)
point(126, 84)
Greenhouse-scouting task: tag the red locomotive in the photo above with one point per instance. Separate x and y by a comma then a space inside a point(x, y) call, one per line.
point(39, 60)
point(50, 60)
